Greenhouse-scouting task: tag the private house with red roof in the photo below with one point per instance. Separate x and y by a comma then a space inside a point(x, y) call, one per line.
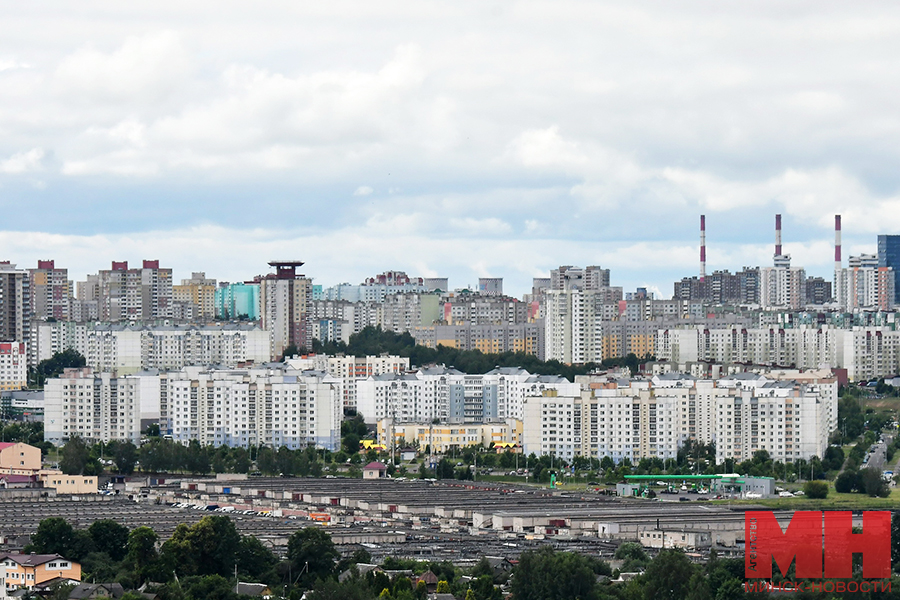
point(374, 470)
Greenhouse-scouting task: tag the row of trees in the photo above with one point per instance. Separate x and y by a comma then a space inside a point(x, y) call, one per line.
point(374, 341)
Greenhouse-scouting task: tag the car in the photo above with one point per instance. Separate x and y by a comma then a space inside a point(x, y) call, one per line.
point(799, 493)
point(785, 494)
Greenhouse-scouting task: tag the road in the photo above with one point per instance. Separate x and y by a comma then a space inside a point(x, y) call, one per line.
point(877, 458)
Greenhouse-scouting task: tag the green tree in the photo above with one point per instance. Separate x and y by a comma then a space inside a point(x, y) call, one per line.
point(53, 536)
point(54, 366)
point(668, 576)
point(125, 455)
point(549, 575)
point(253, 558)
point(873, 484)
point(265, 461)
point(847, 482)
point(110, 537)
point(208, 547)
point(141, 553)
point(76, 458)
point(312, 551)
point(442, 587)
point(350, 443)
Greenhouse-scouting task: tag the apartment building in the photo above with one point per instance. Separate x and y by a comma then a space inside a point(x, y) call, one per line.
point(13, 366)
point(477, 309)
point(284, 306)
point(128, 348)
point(100, 406)
point(248, 407)
point(442, 438)
point(24, 571)
point(864, 284)
point(350, 369)
point(15, 303)
point(866, 352)
point(449, 395)
point(125, 294)
point(782, 286)
point(199, 293)
point(789, 418)
point(237, 300)
point(527, 338)
point(51, 291)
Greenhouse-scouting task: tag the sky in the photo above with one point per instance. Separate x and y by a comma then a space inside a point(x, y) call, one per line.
point(461, 139)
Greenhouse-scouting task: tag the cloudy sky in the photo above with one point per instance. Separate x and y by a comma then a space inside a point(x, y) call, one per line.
point(460, 139)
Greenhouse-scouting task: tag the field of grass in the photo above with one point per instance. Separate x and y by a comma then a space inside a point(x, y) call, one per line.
point(891, 403)
point(834, 501)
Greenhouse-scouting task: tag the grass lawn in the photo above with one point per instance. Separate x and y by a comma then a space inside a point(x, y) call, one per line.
point(834, 501)
point(880, 404)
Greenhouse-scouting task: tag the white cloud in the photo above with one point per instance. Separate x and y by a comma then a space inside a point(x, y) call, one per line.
point(363, 190)
point(144, 68)
point(23, 162)
point(7, 64)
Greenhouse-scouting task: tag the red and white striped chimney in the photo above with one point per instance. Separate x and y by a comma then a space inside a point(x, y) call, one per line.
point(777, 235)
point(702, 247)
point(837, 241)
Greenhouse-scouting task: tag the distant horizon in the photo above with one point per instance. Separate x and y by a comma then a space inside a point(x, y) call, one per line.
point(181, 271)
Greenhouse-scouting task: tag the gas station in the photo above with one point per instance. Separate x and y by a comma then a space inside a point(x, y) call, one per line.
point(727, 485)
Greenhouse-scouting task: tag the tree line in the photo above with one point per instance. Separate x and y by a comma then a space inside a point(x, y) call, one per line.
point(372, 341)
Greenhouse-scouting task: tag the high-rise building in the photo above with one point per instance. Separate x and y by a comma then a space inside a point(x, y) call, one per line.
point(818, 291)
point(721, 287)
point(134, 294)
point(865, 285)
point(889, 256)
point(199, 292)
point(51, 291)
point(589, 278)
point(492, 286)
point(15, 303)
point(284, 298)
point(237, 301)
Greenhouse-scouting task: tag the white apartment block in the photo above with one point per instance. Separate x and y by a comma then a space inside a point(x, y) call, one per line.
point(789, 418)
point(573, 321)
point(132, 347)
point(13, 366)
point(864, 285)
point(866, 352)
point(351, 369)
point(452, 396)
point(99, 406)
point(244, 407)
point(782, 286)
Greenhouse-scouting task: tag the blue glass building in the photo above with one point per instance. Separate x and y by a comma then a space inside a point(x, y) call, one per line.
point(889, 256)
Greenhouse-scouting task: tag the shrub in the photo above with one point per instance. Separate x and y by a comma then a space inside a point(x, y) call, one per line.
point(815, 489)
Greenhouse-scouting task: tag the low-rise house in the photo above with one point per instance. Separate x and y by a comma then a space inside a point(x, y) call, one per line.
point(86, 591)
point(28, 570)
point(374, 470)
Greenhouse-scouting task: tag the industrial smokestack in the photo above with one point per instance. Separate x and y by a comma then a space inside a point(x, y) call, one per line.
point(837, 241)
point(777, 235)
point(702, 247)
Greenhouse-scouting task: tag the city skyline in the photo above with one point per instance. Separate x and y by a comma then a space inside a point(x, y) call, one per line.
point(456, 140)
